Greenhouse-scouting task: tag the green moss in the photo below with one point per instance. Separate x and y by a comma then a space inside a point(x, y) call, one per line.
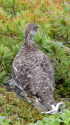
point(16, 109)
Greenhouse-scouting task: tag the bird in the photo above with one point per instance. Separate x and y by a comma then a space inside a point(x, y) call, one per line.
point(33, 73)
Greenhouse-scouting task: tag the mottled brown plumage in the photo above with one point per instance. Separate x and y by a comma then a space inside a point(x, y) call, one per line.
point(33, 72)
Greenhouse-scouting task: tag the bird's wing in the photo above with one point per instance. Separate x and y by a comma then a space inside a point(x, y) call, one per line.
point(43, 80)
point(47, 68)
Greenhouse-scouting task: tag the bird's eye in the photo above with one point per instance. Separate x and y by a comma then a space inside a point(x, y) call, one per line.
point(35, 28)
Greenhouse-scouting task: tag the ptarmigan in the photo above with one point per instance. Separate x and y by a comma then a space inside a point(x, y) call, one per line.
point(33, 73)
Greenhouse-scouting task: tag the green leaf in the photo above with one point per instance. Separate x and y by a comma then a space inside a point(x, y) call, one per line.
point(2, 118)
point(39, 123)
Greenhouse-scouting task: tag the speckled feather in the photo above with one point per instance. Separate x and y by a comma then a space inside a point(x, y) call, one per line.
point(32, 70)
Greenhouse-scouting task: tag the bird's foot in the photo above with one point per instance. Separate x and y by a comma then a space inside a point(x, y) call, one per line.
point(58, 108)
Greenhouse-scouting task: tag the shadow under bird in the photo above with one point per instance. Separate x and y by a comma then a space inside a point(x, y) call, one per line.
point(33, 75)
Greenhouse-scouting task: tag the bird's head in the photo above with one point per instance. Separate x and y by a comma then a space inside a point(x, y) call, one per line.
point(30, 31)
